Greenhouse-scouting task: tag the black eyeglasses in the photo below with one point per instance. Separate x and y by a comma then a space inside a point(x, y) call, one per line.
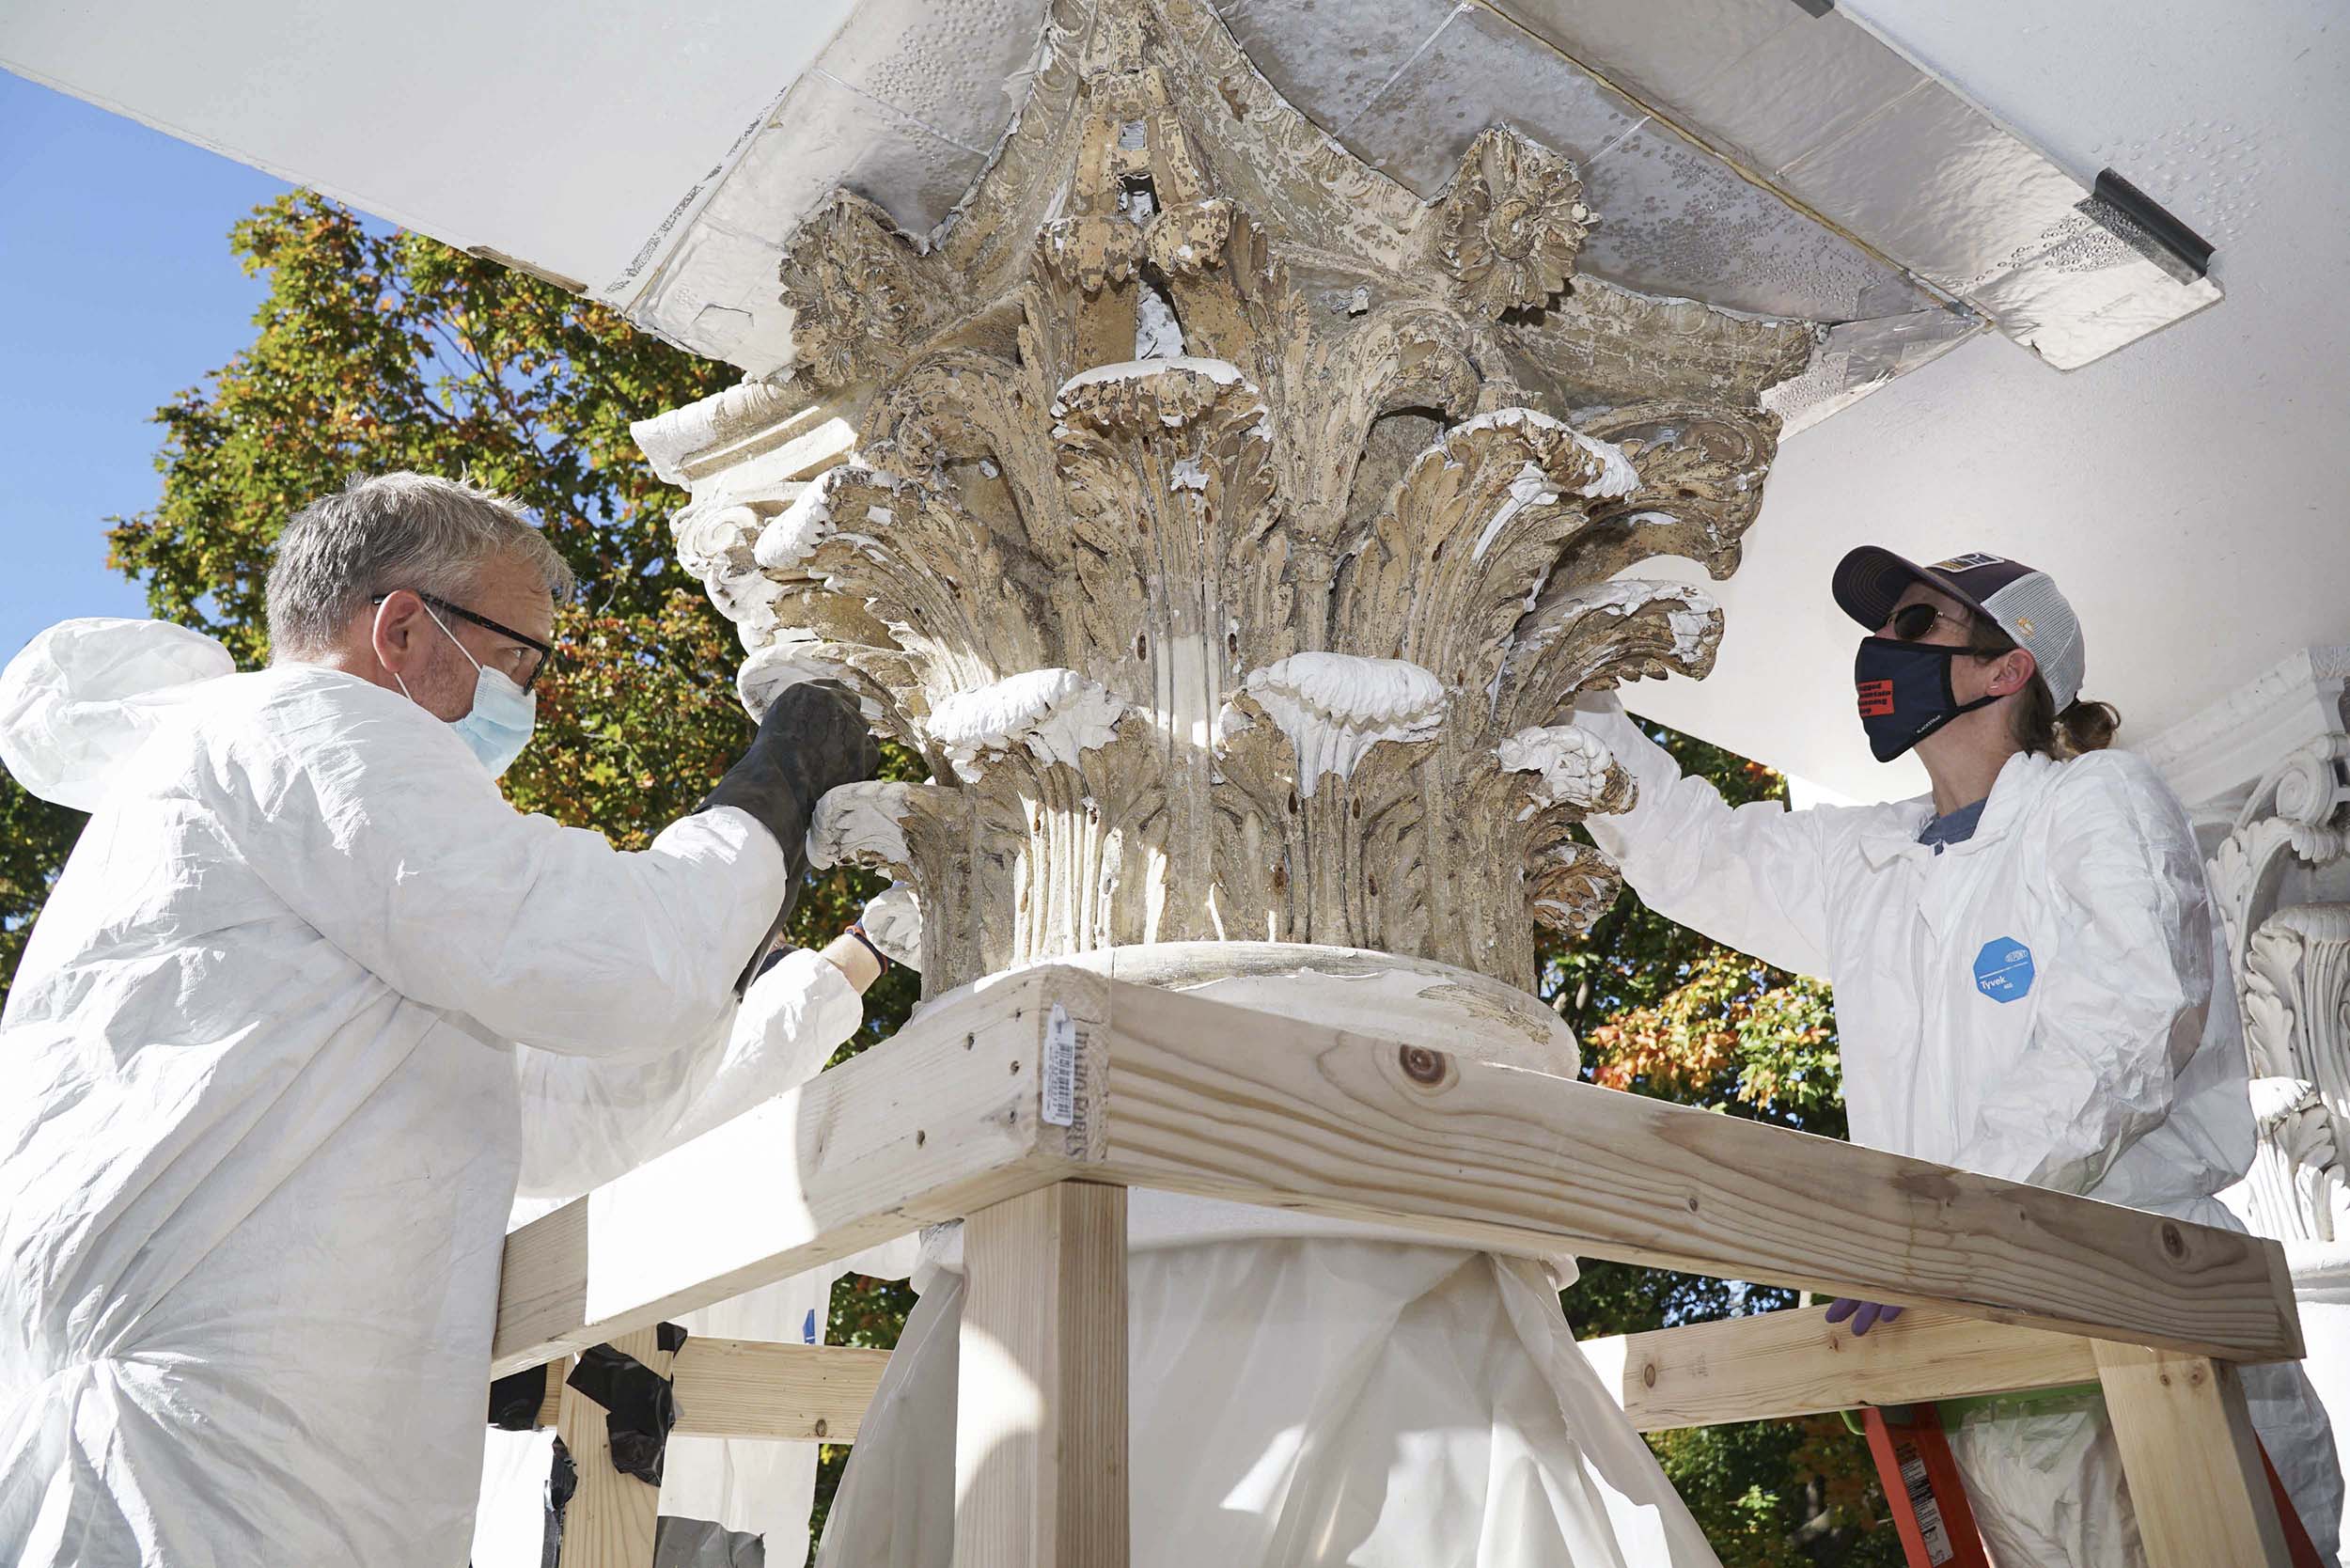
point(1911, 623)
point(545, 652)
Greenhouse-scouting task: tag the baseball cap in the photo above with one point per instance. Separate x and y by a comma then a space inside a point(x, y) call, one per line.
point(2024, 604)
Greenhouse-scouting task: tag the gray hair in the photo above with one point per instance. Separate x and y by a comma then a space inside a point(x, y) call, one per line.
point(392, 531)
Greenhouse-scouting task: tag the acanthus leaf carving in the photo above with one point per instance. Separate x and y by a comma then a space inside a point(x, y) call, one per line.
point(2292, 972)
point(1218, 531)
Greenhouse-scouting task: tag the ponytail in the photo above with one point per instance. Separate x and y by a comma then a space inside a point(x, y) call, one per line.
point(2085, 726)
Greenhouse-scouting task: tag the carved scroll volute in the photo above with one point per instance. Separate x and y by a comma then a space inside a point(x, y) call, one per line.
point(1701, 486)
point(2293, 976)
point(1178, 544)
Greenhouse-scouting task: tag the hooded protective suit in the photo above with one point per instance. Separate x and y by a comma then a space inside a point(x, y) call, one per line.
point(267, 1109)
point(2046, 1001)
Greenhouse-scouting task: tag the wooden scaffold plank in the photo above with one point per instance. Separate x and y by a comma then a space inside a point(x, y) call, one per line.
point(941, 1121)
point(1162, 1089)
point(1792, 1363)
point(1225, 1102)
point(785, 1392)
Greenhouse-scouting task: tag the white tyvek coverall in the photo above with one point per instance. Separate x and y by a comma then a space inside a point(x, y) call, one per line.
point(2115, 1068)
point(266, 1111)
point(791, 1021)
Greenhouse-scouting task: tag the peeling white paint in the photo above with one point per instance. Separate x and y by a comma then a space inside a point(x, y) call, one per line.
point(1058, 714)
point(1574, 766)
point(787, 662)
point(1335, 707)
point(1221, 371)
point(1691, 617)
point(1532, 487)
point(1617, 476)
point(862, 825)
point(787, 543)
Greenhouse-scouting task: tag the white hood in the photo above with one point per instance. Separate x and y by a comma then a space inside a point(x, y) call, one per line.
point(85, 694)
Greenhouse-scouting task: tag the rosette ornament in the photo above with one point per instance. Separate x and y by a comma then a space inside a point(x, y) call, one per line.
point(1512, 223)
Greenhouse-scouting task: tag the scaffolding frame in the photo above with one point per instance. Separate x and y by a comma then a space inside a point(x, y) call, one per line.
point(1026, 1106)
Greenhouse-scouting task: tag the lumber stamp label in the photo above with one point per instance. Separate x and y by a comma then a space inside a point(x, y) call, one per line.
point(1060, 1068)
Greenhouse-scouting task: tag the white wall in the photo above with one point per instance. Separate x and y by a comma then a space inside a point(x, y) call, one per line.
point(2188, 492)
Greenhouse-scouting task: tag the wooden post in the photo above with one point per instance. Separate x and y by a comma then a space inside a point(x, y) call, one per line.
point(2194, 1466)
point(610, 1520)
point(1040, 1419)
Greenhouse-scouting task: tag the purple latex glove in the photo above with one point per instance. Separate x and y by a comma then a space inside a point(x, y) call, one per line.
point(1865, 1315)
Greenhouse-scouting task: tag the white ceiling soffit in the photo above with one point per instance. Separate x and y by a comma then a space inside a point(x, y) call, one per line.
point(555, 137)
point(1743, 153)
point(1809, 100)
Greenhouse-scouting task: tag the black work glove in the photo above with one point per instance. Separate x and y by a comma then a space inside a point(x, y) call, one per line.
point(812, 739)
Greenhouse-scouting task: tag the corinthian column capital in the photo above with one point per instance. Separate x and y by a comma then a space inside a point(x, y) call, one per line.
point(1228, 530)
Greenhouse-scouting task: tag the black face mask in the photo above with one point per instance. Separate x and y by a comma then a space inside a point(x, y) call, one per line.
point(1906, 693)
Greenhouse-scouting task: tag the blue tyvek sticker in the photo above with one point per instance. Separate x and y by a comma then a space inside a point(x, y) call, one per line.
point(2003, 971)
point(807, 1329)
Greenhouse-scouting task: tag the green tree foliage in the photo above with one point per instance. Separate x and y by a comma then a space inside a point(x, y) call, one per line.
point(34, 839)
point(377, 350)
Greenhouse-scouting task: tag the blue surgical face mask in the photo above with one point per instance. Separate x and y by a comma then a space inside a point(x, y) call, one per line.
point(1906, 693)
point(503, 713)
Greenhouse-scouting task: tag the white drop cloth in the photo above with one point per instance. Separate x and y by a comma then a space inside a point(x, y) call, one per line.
point(1309, 1400)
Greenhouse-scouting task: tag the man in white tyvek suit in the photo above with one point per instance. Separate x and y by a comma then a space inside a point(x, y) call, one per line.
point(279, 1032)
point(725, 1501)
point(2030, 980)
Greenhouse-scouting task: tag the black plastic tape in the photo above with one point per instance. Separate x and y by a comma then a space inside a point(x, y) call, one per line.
point(516, 1399)
point(2149, 227)
point(562, 1481)
point(703, 1543)
point(640, 1405)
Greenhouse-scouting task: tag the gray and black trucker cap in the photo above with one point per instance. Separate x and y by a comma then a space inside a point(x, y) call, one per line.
point(2024, 603)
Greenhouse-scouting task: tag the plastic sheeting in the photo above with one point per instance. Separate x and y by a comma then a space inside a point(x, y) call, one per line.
point(731, 1487)
point(1310, 1401)
point(1745, 153)
point(2044, 1475)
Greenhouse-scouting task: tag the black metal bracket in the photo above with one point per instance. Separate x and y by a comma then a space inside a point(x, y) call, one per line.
point(2148, 227)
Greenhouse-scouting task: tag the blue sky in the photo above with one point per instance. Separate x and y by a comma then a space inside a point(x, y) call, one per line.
point(114, 260)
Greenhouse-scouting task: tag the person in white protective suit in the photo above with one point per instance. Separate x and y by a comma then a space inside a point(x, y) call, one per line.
point(726, 1502)
point(305, 1001)
point(2030, 981)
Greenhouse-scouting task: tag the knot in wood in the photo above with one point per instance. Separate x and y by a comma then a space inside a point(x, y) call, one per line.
point(1422, 1065)
point(2173, 1242)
